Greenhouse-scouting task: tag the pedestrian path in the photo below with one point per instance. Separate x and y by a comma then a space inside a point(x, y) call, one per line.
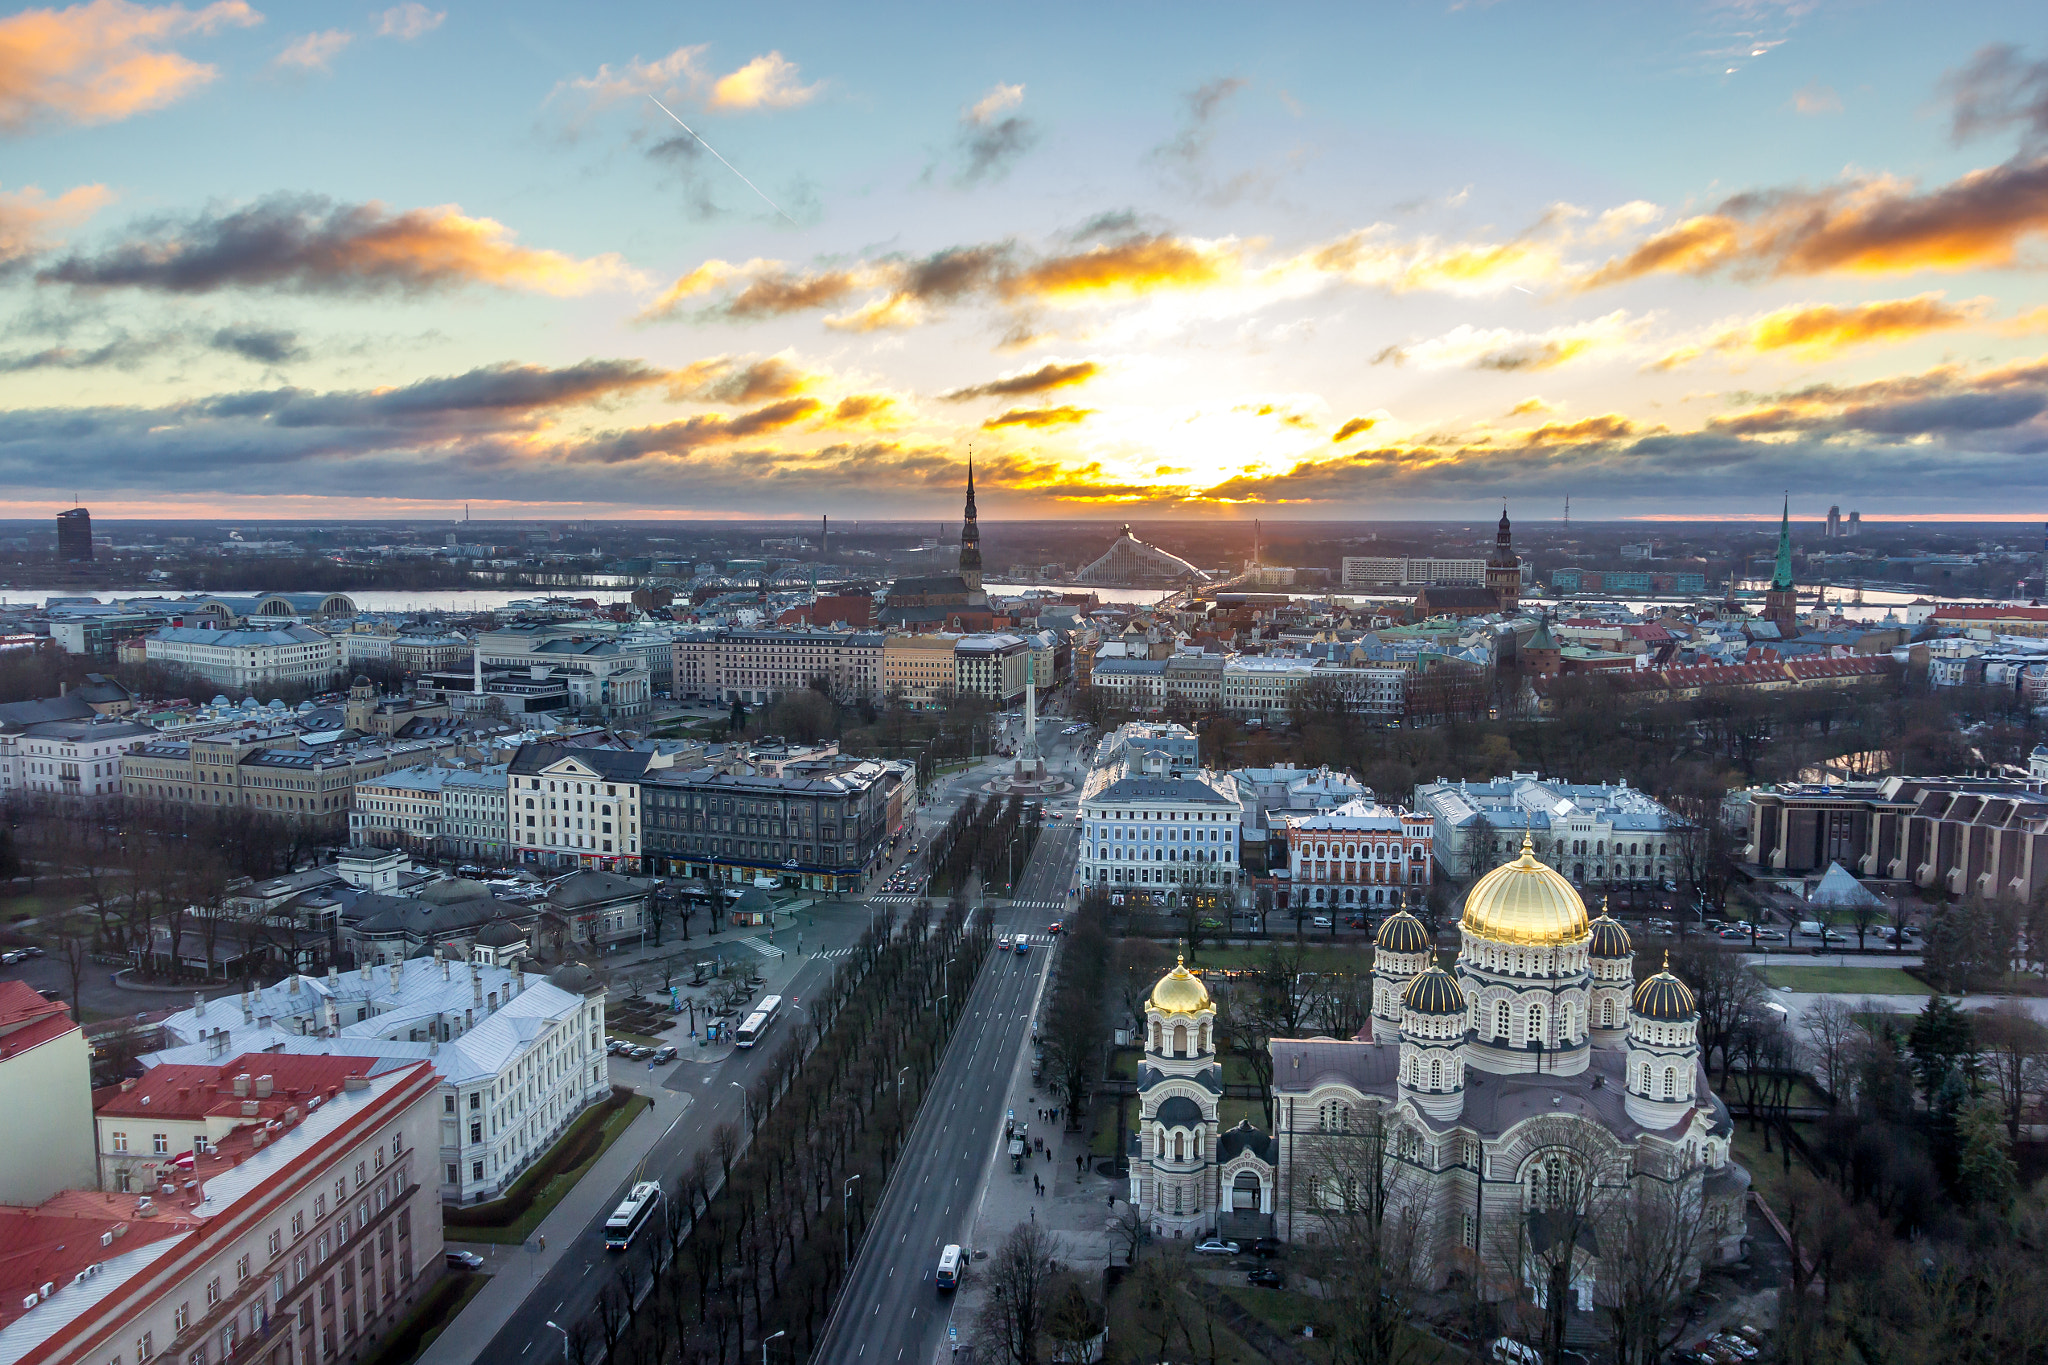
point(1037, 905)
point(764, 949)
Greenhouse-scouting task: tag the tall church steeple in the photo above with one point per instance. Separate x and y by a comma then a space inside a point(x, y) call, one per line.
point(970, 536)
point(1781, 601)
point(1503, 568)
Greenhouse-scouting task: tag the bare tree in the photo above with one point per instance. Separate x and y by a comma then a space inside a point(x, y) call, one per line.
point(1161, 1277)
point(1650, 1233)
point(1019, 1282)
point(1128, 1232)
point(1830, 1028)
point(2015, 1057)
point(1372, 1224)
point(1572, 1168)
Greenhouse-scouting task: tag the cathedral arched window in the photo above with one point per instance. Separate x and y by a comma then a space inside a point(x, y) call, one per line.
point(1645, 1086)
point(1564, 1022)
point(1180, 1150)
point(1501, 1020)
point(1436, 1075)
point(1155, 1035)
point(1180, 1040)
point(1536, 1023)
point(1670, 1083)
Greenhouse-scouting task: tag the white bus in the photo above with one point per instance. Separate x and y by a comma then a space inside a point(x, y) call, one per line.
point(757, 1023)
point(949, 1268)
point(631, 1215)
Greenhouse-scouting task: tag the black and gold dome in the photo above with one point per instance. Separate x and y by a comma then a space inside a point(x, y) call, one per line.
point(1610, 940)
point(1401, 932)
point(1664, 999)
point(1434, 992)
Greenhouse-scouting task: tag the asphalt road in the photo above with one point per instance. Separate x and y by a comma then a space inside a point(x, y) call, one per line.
point(890, 1313)
point(707, 1097)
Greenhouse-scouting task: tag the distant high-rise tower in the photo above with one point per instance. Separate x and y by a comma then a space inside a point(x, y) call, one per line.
point(74, 535)
point(970, 537)
point(1781, 601)
point(1855, 524)
point(1503, 570)
point(824, 534)
point(1834, 523)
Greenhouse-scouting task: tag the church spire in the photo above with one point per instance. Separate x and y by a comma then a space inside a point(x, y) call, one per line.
point(1781, 579)
point(970, 535)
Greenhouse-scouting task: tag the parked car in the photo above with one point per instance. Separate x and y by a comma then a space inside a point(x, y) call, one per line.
point(1728, 1341)
point(12, 956)
point(1264, 1247)
point(33, 950)
point(465, 1260)
point(1267, 1276)
point(641, 1052)
point(1216, 1247)
point(1508, 1351)
point(1755, 1336)
point(1321, 921)
point(665, 1053)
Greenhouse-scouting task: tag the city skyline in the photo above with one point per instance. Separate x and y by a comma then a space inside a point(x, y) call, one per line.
point(268, 261)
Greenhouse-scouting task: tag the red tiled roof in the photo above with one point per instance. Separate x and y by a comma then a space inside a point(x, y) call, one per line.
point(20, 1002)
point(1989, 614)
point(54, 1241)
point(195, 1091)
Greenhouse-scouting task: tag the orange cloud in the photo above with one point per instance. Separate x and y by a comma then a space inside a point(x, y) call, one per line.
point(1053, 374)
point(1039, 418)
point(1610, 426)
point(306, 244)
point(28, 216)
point(1822, 328)
point(102, 62)
point(767, 82)
point(1529, 405)
point(1138, 266)
point(877, 410)
point(1878, 226)
point(723, 380)
point(1354, 427)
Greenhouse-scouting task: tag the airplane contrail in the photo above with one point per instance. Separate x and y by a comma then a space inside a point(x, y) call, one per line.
point(723, 162)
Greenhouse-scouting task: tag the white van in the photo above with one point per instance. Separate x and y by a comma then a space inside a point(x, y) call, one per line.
point(949, 1269)
point(1812, 928)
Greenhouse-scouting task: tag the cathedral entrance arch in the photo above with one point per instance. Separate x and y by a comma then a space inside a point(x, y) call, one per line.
point(1244, 1193)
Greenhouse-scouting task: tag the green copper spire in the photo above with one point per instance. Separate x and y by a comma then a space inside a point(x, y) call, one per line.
point(1781, 581)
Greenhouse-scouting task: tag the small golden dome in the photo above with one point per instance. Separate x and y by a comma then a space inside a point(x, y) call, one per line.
point(1436, 992)
point(1664, 999)
point(1401, 932)
point(1180, 991)
point(1526, 903)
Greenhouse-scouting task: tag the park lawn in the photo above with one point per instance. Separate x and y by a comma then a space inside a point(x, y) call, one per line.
point(517, 1231)
point(1315, 958)
point(1133, 1334)
point(1102, 1142)
point(1287, 1312)
point(416, 1331)
point(1844, 980)
point(1229, 1113)
point(1767, 1170)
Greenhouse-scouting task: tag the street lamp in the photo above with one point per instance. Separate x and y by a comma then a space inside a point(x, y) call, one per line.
point(764, 1346)
point(565, 1339)
point(846, 1217)
point(899, 1086)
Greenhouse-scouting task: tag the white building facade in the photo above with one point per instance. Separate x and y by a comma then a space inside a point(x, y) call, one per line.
point(248, 661)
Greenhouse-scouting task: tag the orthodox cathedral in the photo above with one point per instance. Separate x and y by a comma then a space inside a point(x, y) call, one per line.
point(1537, 1064)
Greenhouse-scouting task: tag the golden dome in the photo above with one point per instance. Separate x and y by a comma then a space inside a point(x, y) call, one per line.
point(1525, 902)
point(1180, 991)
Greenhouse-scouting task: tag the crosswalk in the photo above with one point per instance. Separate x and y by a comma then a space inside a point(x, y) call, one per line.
point(830, 953)
point(1037, 905)
point(894, 900)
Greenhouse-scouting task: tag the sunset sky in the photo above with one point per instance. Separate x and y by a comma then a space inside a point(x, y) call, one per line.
point(1374, 260)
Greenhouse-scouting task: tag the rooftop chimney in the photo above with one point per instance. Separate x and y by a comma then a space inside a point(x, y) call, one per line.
point(295, 983)
point(365, 971)
point(518, 980)
point(198, 1005)
point(242, 1084)
point(397, 972)
point(476, 985)
point(264, 1085)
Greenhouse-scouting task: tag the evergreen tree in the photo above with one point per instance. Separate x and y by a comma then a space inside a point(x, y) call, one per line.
point(738, 723)
point(1985, 1170)
point(1944, 1046)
